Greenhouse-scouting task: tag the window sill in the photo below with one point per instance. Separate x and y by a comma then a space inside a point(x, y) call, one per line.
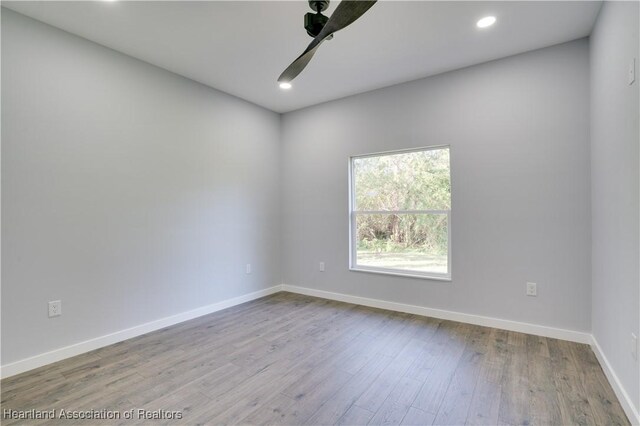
point(402, 274)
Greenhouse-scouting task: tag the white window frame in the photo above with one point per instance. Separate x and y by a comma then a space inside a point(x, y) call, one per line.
point(353, 256)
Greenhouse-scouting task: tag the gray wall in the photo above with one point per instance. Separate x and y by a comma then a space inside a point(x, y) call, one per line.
point(128, 192)
point(519, 135)
point(615, 138)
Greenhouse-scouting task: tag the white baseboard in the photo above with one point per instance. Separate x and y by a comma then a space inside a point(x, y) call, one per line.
point(109, 339)
point(522, 327)
point(626, 402)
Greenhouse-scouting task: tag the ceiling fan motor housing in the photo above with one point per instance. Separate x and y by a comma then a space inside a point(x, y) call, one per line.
point(314, 22)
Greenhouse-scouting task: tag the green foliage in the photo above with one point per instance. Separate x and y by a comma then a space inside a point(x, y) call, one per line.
point(406, 181)
point(426, 233)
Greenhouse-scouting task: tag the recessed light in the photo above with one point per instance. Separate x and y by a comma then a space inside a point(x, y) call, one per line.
point(487, 21)
point(285, 86)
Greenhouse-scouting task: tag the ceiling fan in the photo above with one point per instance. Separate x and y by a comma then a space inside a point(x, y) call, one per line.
point(322, 28)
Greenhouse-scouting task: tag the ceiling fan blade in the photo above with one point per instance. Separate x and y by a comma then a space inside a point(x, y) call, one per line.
point(299, 64)
point(347, 12)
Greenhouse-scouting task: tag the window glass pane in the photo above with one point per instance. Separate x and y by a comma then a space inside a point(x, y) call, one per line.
point(417, 180)
point(411, 242)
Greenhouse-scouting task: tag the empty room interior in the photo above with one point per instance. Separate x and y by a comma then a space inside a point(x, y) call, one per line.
point(316, 213)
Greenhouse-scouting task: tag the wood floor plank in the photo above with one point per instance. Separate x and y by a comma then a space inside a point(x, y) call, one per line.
point(279, 410)
point(332, 410)
point(493, 367)
point(484, 408)
point(514, 399)
point(310, 383)
point(573, 401)
point(217, 382)
point(185, 402)
point(355, 416)
point(290, 359)
point(445, 363)
point(94, 380)
point(544, 404)
point(310, 396)
point(397, 404)
point(373, 398)
point(561, 356)
point(416, 417)
point(455, 406)
point(537, 345)
point(604, 405)
point(478, 339)
point(48, 373)
point(516, 339)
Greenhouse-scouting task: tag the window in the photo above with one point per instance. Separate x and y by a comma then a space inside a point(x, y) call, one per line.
point(400, 213)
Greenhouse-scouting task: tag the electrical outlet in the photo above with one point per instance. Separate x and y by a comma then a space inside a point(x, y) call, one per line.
point(634, 346)
point(532, 289)
point(248, 269)
point(55, 308)
point(321, 267)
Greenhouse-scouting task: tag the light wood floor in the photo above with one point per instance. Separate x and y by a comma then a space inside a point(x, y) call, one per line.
point(291, 359)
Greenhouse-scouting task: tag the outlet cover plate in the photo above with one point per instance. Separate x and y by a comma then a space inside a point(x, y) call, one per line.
point(532, 289)
point(55, 308)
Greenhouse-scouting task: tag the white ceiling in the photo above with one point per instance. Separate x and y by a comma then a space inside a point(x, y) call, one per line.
point(242, 47)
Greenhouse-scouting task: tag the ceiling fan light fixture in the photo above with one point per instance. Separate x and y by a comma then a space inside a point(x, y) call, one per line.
point(487, 21)
point(285, 85)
